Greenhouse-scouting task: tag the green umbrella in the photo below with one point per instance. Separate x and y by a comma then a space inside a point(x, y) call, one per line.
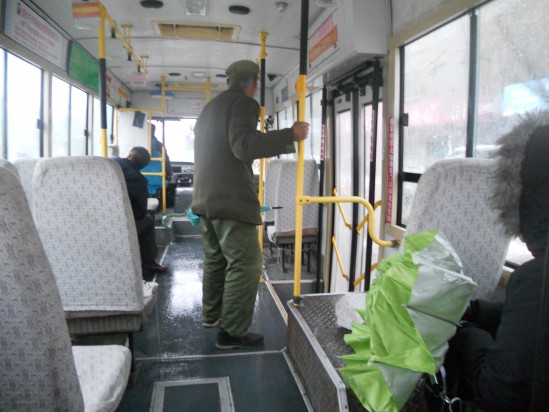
point(412, 310)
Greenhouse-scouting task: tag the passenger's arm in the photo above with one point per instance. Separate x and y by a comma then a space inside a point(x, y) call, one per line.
point(469, 347)
point(247, 143)
point(138, 199)
point(485, 314)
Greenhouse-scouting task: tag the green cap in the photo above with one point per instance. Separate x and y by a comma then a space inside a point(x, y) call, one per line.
point(242, 69)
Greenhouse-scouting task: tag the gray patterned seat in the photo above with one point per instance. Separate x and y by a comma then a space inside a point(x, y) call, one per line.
point(454, 196)
point(6, 164)
point(84, 218)
point(39, 370)
point(271, 182)
point(25, 168)
point(282, 232)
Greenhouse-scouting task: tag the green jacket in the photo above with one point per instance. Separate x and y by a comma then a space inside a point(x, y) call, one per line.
point(226, 143)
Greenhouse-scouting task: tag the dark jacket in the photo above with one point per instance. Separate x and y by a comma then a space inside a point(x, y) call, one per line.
point(499, 367)
point(495, 350)
point(136, 184)
point(226, 143)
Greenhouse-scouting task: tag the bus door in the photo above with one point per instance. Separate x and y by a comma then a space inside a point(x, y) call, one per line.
point(357, 172)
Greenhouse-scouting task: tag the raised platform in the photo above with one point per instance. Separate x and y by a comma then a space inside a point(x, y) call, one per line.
point(315, 345)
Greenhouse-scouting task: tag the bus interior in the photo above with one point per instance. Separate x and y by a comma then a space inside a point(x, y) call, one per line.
point(397, 94)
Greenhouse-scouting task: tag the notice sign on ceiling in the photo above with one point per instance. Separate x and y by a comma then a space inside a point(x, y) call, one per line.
point(86, 14)
point(324, 38)
point(30, 30)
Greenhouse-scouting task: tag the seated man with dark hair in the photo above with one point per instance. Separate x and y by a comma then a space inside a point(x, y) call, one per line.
point(137, 159)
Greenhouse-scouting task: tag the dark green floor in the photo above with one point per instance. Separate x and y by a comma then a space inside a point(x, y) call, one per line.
point(174, 349)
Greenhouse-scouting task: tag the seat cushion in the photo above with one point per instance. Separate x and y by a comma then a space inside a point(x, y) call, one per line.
point(103, 372)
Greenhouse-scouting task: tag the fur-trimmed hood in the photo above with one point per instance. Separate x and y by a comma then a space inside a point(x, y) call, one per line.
point(522, 173)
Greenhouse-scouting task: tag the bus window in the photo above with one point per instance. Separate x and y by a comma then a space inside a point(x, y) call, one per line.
point(314, 117)
point(96, 139)
point(178, 138)
point(3, 148)
point(436, 107)
point(285, 119)
point(505, 91)
point(97, 148)
point(24, 104)
point(110, 114)
point(60, 103)
point(79, 122)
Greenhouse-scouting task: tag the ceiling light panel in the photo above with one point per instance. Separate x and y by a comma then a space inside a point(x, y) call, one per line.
point(196, 31)
point(195, 7)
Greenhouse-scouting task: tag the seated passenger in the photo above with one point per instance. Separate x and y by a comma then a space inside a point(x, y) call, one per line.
point(136, 183)
point(493, 353)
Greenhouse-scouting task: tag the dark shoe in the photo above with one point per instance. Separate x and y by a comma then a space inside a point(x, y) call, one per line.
point(153, 266)
point(211, 323)
point(226, 341)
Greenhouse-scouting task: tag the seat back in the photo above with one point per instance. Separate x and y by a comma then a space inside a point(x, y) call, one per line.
point(454, 196)
point(38, 370)
point(284, 218)
point(113, 150)
point(6, 164)
point(25, 168)
point(84, 218)
point(271, 182)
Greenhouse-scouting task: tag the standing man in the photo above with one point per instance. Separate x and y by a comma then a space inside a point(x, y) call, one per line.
point(226, 143)
point(136, 183)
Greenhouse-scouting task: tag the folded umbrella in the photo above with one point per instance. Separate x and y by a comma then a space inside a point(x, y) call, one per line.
point(413, 308)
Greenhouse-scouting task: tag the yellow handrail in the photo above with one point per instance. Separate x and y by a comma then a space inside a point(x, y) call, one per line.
point(351, 199)
point(338, 257)
point(125, 42)
point(303, 200)
point(365, 219)
point(345, 222)
point(363, 276)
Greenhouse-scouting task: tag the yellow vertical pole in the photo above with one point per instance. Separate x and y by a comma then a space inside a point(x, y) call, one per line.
point(163, 100)
point(102, 80)
point(262, 162)
point(164, 195)
point(301, 93)
point(208, 89)
point(300, 88)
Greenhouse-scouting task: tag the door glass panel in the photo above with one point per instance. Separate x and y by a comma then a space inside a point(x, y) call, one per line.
point(344, 186)
point(313, 115)
point(23, 109)
point(315, 130)
point(378, 176)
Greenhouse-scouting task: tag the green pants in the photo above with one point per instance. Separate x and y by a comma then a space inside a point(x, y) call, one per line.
point(232, 269)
